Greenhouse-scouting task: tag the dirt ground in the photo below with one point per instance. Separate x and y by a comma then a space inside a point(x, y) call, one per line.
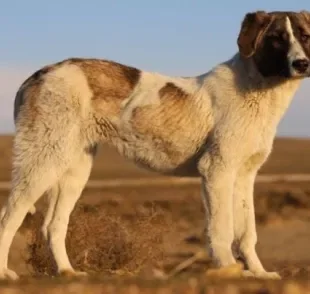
point(134, 239)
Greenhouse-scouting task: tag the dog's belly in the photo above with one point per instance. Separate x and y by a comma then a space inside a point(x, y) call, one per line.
point(159, 153)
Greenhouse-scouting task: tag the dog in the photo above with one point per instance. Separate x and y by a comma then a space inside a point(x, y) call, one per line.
point(218, 126)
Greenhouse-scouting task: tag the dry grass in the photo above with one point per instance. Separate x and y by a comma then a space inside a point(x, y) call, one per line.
point(126, 238)
point(99, 241)
point(281, 202)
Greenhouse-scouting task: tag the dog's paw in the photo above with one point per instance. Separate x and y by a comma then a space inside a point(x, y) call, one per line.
point(6, 274)
point(227, 272)
point(69, 273)
point(268, 275)
point(262, 275)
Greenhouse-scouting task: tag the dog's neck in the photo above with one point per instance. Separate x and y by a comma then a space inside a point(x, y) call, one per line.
point(237, 79)
point(241, 76)
point(248, 78)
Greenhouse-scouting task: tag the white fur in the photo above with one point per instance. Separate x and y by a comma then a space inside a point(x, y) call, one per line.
point(296, 51)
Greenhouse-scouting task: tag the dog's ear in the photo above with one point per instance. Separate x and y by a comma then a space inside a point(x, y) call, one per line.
point(306, 15)
point(253, 27)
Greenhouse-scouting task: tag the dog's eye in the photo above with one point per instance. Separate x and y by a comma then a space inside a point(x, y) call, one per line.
point(276, 40)
point(305, 38)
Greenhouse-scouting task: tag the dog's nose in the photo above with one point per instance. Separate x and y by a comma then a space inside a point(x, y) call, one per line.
point(301, 65)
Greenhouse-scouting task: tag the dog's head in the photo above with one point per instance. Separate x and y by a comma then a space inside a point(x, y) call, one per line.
point(278, 43)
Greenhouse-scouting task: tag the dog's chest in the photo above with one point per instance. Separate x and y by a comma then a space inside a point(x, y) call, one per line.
point(248, 126)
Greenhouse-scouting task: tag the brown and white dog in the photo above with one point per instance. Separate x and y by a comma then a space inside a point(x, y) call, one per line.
point(219, 126)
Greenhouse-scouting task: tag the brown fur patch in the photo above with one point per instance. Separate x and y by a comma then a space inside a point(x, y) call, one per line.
point(110, 82)
point(306, 15)
point(170, 90)
point(301, 27)
point(165, 117)
point(252, 29)
point(162, 123)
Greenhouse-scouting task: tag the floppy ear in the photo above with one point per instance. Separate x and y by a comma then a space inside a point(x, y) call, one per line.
point(253, 27)
point(306, 14)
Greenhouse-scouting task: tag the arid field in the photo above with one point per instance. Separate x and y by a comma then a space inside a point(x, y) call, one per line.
point(136, 232)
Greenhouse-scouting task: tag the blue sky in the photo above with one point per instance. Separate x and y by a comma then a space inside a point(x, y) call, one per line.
point(172, 37)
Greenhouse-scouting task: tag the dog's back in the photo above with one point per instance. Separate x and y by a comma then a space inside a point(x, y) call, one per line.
point(158, 121)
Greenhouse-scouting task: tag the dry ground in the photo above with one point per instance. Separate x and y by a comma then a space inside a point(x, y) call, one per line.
point(131, 238)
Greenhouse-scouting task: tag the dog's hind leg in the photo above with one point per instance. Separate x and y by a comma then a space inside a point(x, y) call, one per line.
point(39, 160)
point(51, 197)
point(53, 193)
point(70, 187)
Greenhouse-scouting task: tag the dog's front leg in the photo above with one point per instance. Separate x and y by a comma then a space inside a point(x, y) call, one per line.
point(217, 195)
point(244, 224)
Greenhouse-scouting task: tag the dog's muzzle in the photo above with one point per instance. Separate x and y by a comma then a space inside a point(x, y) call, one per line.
point(301, 66)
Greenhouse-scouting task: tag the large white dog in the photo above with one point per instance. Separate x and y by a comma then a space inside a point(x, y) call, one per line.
point(219, 126)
